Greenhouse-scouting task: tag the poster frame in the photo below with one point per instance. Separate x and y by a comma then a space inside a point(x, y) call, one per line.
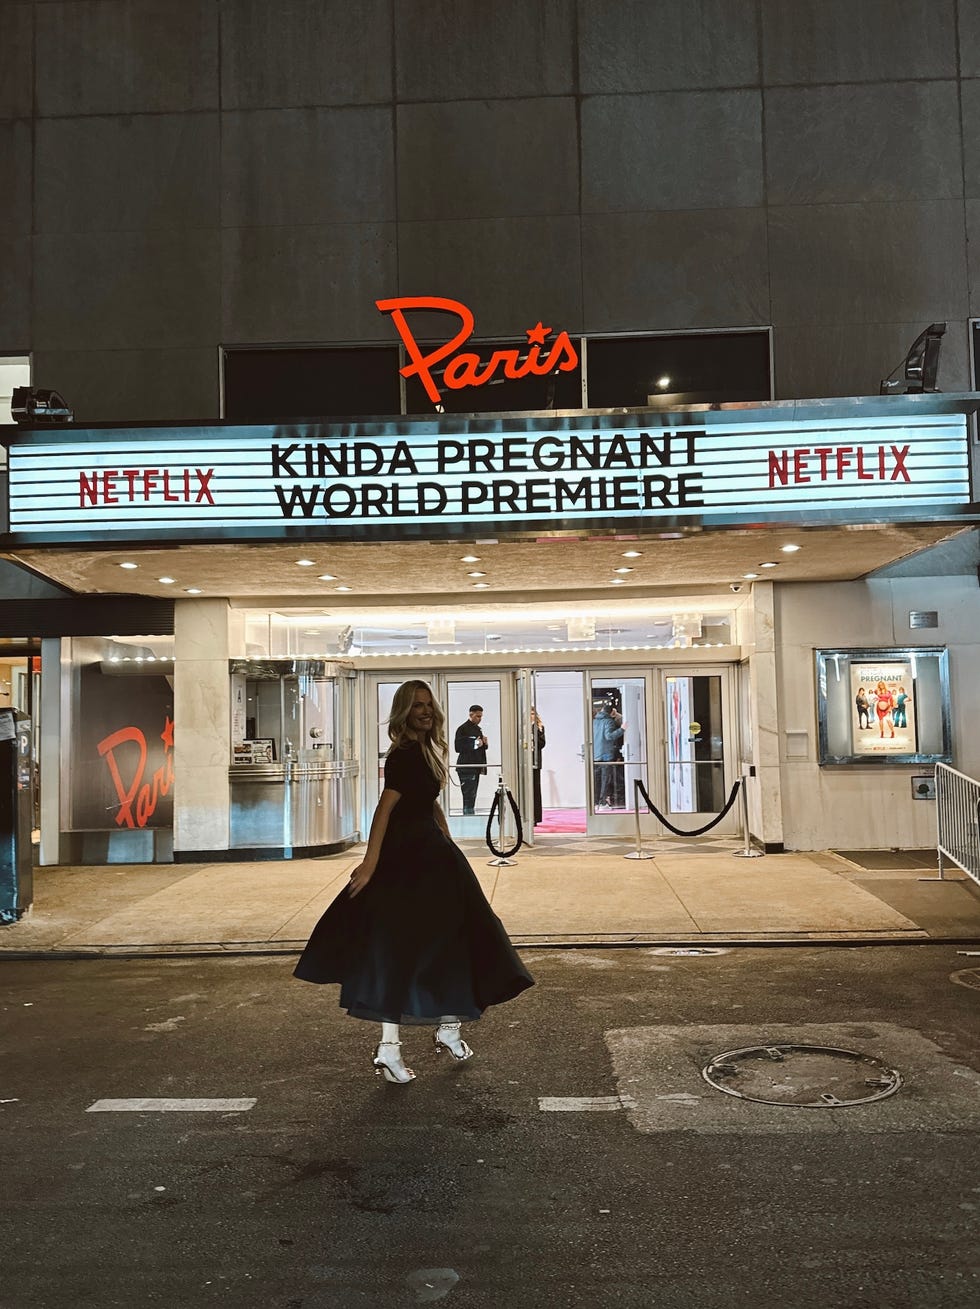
point(833, 670)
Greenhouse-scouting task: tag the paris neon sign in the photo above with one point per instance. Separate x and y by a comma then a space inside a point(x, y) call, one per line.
point(466, 368)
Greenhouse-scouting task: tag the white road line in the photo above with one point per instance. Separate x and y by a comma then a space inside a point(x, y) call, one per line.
point(594, 1104)
point(170, 1106)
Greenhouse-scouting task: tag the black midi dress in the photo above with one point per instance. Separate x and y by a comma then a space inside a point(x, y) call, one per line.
point(420, 941)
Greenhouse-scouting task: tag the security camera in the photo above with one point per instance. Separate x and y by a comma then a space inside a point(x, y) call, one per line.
point(736, 587)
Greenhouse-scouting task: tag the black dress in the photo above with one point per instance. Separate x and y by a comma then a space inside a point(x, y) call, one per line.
point(420, 941)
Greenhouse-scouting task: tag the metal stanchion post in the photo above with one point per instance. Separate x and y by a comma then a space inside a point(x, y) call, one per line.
point(639, 852)
point(500, 861)
point(748, 852)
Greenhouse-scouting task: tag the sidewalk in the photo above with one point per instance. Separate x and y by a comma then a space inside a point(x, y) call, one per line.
point(568, 890)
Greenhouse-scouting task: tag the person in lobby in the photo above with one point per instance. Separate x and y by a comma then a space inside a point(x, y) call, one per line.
point(412, 939)
point(471, 757)
point(608, 730)
point(537, 745)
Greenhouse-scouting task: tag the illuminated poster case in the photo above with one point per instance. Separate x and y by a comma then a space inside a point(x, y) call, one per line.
point(885, 706)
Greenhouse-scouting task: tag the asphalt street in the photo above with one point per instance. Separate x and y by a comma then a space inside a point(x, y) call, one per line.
point(580, 1159)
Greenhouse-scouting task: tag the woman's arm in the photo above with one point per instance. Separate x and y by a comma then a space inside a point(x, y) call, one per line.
point(364, 871)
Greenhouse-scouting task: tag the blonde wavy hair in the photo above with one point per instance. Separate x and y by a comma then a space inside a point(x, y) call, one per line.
point(435, 747)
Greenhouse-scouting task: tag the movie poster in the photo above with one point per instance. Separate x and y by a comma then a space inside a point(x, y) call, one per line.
point(883, 712)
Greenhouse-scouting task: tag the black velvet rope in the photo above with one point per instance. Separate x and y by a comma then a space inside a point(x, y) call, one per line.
point(504, 854)
point(698, 831)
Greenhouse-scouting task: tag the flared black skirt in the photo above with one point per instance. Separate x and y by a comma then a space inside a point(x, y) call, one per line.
point(420, 941)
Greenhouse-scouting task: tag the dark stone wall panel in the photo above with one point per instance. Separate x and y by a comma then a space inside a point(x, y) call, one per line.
point(834, 264)
point(125, 290)
point(487, 159)
point(666, 45)
point(307, 283)
point(15, 177)
point(672, 271)
point(16, 60)
point(133, 172)
point(469, 49)
point(891, 141)
point(686, 150)
point(810, 41)
point(291, 166)
point(119, 386)
point(305, 52)
point(126, 56)
point(15, 293)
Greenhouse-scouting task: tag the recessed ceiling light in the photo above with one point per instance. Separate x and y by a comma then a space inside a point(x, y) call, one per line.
point(470, 559)
point(622, 570)
point(790, 549)
point(616, 581)
point(480, 586)
point(632, 554)
point(750, 577)
point(663, 382)
point(326, 577)
point(769, 565)
point(554, 627)
point(477, 574)
point(193, 590)
point(342, 588)
point(305, 563)
point(127, 565)
point(167, 581)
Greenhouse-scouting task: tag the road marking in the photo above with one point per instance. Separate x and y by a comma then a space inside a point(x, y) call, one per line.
point(145, 1106)
point(589, 1104)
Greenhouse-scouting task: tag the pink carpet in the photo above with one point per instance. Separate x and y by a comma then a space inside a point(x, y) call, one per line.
point(561, 820)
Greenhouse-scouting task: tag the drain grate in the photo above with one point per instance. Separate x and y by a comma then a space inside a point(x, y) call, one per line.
point(801, 1076)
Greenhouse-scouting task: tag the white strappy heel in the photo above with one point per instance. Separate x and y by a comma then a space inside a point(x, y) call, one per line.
point(391, 1065)
point(447, 1037)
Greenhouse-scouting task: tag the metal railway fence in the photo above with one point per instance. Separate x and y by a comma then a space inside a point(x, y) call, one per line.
point(958, 820)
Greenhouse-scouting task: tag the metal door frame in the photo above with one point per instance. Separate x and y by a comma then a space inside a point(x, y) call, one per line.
point(731, 756)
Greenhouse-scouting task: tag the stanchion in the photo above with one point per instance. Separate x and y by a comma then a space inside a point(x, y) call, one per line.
point(749, 852)
point(639, 852)
point(501, 860)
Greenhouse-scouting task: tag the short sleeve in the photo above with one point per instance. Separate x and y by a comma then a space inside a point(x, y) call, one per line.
point(398, 770)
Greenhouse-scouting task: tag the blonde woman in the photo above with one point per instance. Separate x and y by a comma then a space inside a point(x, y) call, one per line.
point(411, 938)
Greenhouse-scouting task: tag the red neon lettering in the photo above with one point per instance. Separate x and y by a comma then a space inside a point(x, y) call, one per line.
point(466, 368)
point(88, 489)
point(146, 797)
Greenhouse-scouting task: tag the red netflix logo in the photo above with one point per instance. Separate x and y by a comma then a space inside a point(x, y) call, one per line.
point(113, 486)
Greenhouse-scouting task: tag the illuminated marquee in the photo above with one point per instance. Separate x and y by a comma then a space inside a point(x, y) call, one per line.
point(434, 478)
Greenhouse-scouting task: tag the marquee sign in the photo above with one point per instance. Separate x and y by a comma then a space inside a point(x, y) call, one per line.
point(448, 478)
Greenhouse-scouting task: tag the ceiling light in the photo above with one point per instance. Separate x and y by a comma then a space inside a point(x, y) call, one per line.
point(769, 565)
point(616, 581)
point(632, 554)
point(790, 549)
point(193, 590)
point(480, 586)
point(167, 581)
point(750, 577)
point(554, 627)
point(129, 565)
point(470, 559)
point(343, 588)
point(305, 563)
point(326, 577)
point(478, 574)
point(622, 570)
point(663, 382)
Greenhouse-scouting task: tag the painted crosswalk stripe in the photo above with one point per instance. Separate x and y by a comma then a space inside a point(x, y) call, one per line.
point(595, 1104)
point(151, 1106)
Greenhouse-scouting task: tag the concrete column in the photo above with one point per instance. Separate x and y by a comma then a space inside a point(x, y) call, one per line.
point(206, 635)
point(765, 797)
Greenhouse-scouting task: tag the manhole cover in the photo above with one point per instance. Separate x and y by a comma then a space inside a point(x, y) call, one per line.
point(967, 977)
point(687, 950)
point(801, 1076)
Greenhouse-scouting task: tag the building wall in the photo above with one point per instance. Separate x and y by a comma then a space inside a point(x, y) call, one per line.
point(180, 174)
point(855, 807)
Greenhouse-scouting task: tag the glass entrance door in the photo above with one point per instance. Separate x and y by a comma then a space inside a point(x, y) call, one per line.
point(698, 753)
point(618, 753)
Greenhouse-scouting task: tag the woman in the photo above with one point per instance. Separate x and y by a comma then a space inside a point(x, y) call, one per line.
point(537, 727)
point(884, 703)
point(412, 938)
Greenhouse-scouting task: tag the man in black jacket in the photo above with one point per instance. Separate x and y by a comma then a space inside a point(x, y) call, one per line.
point(471, 757)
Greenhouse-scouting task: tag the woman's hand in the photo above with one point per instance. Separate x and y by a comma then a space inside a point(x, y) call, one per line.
point(359, 879)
